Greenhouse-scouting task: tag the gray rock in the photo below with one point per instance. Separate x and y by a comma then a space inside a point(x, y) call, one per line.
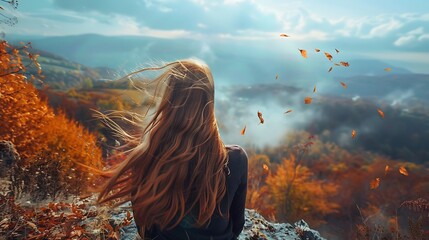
point(255, 228)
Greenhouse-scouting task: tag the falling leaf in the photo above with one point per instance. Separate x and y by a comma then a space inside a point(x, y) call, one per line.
point(381, 113)
point(261, 119)
point(343, 84)
point(386, 169)
point(337, 64)
point(345, 64)
point(330, 69)
point(317, 50)
point(243, 130)
point(288, 111)
point(284, 35)
point(329, 56)
point(308, 100)
point(353, 133)
point(403, 171)
point(311, 137)
point(277, 76)
point(374, 183)
point(337, 50)
point(314, 89)
point(387, 69)
point(265, 166)
point(303, 53)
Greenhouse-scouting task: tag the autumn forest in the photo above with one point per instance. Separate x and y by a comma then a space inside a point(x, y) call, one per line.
point(359, 170)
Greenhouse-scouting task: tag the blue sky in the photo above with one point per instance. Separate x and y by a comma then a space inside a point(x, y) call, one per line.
point(383, 29)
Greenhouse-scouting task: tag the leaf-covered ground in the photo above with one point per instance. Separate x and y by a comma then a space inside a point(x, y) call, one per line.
point(81, 219)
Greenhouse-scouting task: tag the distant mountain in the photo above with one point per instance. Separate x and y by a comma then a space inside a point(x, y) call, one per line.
point(231, 61)
point(71, 60)
point(368, 67)
point(60, 73)
point(395, 88)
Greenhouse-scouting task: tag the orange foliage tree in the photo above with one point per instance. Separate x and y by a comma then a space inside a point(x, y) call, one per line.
point(298, 195)
point(49, 144)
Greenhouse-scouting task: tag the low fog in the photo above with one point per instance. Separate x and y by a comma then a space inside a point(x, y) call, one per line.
point(402, 134)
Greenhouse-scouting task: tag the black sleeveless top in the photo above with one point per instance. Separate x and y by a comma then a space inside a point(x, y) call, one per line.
point(219, 228)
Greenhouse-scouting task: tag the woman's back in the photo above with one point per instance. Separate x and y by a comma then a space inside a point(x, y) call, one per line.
point(176, 171)
point(219, 228)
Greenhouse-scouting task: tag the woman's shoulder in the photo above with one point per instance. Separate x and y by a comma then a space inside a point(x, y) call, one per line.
point(237, 154)
point(236, 149)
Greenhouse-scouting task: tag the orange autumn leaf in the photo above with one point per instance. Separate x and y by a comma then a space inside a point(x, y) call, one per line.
point(329, 56)
point(243, 130)
point(387, 69)
point(284, 35)
point(403, 171)
point(288, 111)
point(314, 89)
point(386, 170)
point(308, 100)
point(330, 69)
point(374, 183)
point(265, 166)
point(317, 50)
point(261, 119)
point(343, 84)
point(381, 113)
point(345, 64)
point(337, 50)
point(303, 53)
point(353, 133)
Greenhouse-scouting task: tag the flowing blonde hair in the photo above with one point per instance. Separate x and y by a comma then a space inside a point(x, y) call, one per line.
point(178, 161)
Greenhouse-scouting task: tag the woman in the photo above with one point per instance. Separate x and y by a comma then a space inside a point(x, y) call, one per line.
point(181, 179)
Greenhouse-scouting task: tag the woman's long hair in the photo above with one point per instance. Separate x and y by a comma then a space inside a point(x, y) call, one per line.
point(178, 160)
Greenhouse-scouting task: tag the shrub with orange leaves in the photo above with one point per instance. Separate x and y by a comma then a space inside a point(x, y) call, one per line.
point(49, 144)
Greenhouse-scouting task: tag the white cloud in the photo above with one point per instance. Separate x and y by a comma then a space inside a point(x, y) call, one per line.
point(409, 37)
point(206, 4)
point(425, 17)
point(252, 35)
point(383, 29)
point(95, 22)
point(124, 25)
point(244, 37)
point(394, 55)
point(244, 20)
point(399, 97)
point(404, 40)
point(424, 37)
point(313, 35)
point(231, 2)
point(416, 31)
point(168, 34)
